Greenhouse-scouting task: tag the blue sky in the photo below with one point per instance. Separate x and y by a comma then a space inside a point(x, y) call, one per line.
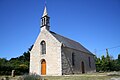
point(93, 23)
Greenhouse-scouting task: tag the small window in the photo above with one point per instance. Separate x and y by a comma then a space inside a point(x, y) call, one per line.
point(89, 62)
point(43, 47)
point(73, 59)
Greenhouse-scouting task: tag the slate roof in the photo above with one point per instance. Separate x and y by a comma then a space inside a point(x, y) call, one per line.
point(70, 43)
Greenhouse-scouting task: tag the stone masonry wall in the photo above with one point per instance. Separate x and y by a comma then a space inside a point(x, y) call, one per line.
point(66, 65)
point(68, 68)
point(52, 56)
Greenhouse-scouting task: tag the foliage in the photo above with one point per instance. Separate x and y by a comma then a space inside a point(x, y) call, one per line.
point(31, 77)
point(19, 64)
point(106, 64)
point(119, 59)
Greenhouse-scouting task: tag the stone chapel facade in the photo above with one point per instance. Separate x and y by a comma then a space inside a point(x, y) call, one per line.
point(56, 55)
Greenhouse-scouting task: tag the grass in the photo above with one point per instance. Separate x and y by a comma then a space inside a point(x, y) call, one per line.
point(94, 76)
point(9, 77)
point(78, 77)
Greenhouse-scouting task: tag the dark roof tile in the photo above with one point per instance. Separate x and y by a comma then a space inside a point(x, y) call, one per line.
point(70, 43)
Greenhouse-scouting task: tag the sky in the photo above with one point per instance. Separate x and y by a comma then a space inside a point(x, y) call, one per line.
point(93, 23)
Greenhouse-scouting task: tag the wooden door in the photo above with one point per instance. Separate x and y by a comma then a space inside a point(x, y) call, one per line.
point(43, 67)
point(82, 67)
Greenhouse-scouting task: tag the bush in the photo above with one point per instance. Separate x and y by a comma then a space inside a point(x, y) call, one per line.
point(31, 77)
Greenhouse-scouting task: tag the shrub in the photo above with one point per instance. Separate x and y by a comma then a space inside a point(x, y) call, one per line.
point(31, 77)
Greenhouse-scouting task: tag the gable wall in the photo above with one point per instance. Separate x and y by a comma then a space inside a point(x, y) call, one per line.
point(52, 56)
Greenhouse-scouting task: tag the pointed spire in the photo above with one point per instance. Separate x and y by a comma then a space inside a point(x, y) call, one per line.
point(45, 12)
point(45, 20)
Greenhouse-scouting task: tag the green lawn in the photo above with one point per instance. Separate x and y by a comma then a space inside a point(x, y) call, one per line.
point(78, 77)
point(95, 76)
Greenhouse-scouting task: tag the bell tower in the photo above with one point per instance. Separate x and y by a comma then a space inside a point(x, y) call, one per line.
point(45, 20)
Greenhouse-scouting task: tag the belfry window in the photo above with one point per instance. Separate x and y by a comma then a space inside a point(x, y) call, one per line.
point(43, 47)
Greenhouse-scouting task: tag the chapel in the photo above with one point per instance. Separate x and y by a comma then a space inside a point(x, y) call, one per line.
point(56, 55)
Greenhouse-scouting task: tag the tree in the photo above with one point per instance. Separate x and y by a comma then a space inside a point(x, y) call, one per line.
point(119, 58)
point(98, 64)
point(108, 61)
point(19, 64)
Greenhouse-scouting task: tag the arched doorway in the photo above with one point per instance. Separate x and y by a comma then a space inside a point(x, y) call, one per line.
point(82, 67)
point(43, 67)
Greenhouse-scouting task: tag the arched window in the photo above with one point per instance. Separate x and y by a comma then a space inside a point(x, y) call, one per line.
point(43, 47)
point(73, 59)
point(89, 62)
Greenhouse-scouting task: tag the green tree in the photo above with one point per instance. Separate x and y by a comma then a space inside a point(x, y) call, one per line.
point(119, 58)
point(19, 64)
point(98, 64)
point(108, 61)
